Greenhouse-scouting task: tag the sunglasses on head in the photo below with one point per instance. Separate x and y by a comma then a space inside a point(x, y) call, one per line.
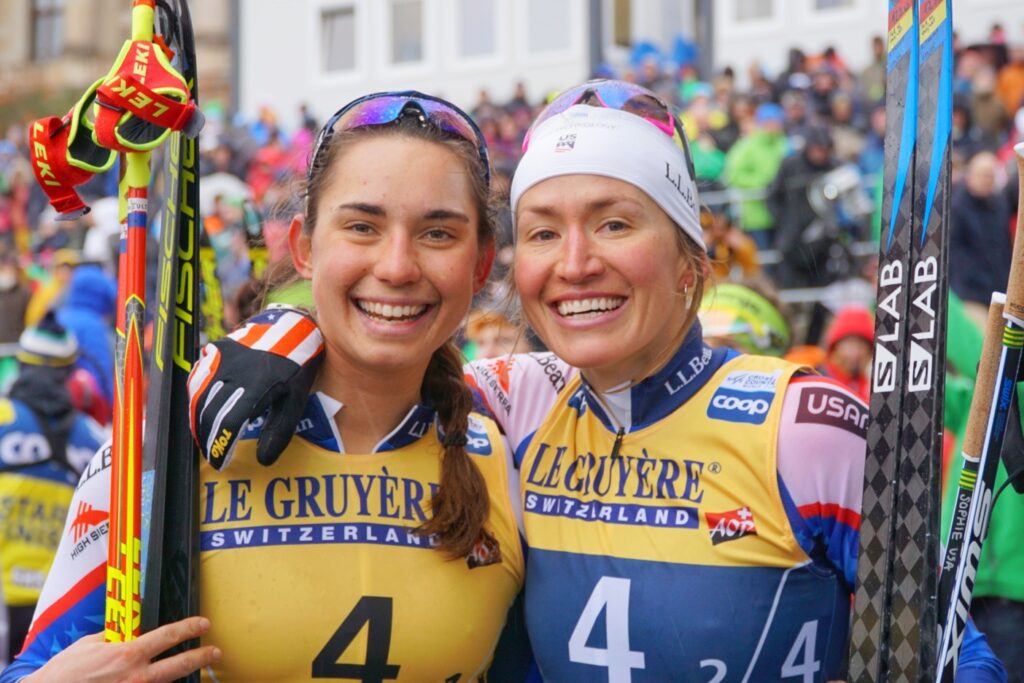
point(379, 109)
point(623, 96)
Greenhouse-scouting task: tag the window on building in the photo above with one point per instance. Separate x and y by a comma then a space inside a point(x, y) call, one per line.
point(548, 28)
point(477, 28)
point(622, 22)
point(753, 10)
point(47, 29)
point(406, 31)
point(832, 4)
point(338, 35)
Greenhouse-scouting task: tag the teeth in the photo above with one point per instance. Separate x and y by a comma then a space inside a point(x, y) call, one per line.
point(582, 306)
point(389, 311)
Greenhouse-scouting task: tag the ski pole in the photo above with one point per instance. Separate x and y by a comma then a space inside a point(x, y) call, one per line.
point(123, 607)
point(983, 440)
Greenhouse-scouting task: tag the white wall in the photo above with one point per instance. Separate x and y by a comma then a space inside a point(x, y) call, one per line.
point(281, 57)
point(796, 24)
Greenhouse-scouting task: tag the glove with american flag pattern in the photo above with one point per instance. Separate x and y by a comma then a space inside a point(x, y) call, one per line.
point(262, 371)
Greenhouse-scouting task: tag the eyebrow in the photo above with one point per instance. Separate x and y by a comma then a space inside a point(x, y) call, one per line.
point(595, 205)
point(376, 210)
point(362, 207)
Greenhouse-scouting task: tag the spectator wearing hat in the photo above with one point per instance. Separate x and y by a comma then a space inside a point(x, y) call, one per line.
point(801, 235)
point(88, 312)
point(789, 203)
point(44, 446)
point(752, 164)
point(848, 346)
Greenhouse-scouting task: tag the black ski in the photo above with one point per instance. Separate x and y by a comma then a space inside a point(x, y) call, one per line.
point(914, 629)
point(211, 300)
point(170, 457)
point(870, 634)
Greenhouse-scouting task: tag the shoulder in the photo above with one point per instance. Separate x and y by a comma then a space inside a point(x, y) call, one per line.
point(94, 482)
point(543, 371)
point(519, 390)
point(822, 439)
point(14, 415)
point(821, 405)
point(483, 438)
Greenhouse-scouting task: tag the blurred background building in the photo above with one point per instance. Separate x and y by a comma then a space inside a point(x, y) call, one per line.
point(324, 52)
point(51, 49)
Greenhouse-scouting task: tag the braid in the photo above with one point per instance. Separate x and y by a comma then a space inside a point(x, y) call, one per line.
point(461, 505)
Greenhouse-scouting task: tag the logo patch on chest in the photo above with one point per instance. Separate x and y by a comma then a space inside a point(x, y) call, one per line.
point(731, 525)
point(744, 397)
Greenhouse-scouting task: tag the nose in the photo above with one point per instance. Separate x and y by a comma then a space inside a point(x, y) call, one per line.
point(578, 259)
point(397, 262)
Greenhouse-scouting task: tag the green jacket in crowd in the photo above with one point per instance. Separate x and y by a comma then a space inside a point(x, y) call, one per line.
point(752, 164)
point(1001, 571)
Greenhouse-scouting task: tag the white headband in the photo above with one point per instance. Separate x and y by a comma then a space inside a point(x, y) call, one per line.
point(614, 144)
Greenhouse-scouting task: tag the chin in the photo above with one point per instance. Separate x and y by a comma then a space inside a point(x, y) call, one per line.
point(587, 355)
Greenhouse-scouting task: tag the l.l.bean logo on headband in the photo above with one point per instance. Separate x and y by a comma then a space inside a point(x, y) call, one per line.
point(685, 191)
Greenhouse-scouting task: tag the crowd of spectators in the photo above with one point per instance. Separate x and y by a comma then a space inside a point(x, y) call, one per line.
point(766, 148)
point(790, 171)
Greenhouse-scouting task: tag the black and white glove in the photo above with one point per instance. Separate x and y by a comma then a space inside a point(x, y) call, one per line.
point(265, 369)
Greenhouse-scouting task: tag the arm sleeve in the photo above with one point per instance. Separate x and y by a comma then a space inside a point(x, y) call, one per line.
point(978, 664)
point(821, 469)
point(518, 391)
point(821, 453)
point(71, 603)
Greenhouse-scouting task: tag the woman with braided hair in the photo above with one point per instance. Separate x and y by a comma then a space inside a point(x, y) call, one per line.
point(384, 545)
point(691, 513)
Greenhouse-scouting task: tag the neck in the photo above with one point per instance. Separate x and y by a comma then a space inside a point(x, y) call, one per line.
point(374, 402)
point(635, 370)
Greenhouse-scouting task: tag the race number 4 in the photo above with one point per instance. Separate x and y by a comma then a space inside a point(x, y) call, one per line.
point(610, 595)
point(800, 661)
point(375, 614)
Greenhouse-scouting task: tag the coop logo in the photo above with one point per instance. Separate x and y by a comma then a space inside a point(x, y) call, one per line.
point(731, 525)
point(744, 397)
point(477, 441)
point(566, 143)
point(736, 406)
